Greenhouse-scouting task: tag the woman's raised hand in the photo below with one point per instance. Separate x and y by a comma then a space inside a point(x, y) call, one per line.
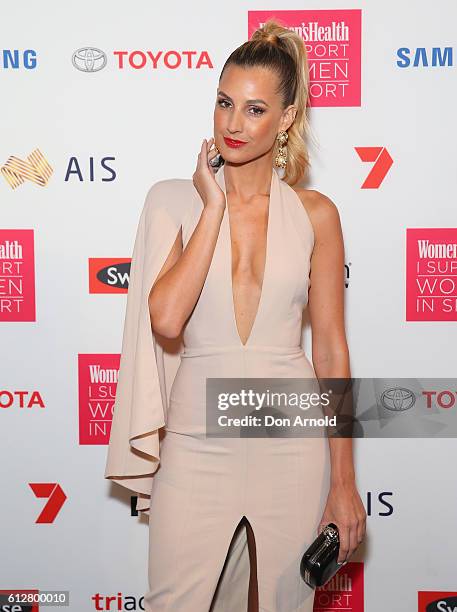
point(204, 179)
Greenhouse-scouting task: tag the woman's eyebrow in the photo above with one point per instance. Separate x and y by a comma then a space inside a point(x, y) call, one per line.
point(257, 101)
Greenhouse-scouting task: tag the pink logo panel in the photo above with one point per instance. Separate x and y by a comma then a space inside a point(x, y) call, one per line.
point(345, 591)
point(431, 274)
point(332, 38)
point(97, 381)
point(17, 275)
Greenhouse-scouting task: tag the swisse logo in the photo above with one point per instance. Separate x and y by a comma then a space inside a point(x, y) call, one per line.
point(19, 600)
point(109, 275)
point(437, 601)
point(115, 276)
point(398, 399)
point(89, 59)
point(449, 604)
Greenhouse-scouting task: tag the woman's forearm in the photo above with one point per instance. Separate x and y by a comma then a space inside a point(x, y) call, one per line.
point(336, 365)
point(175, 294)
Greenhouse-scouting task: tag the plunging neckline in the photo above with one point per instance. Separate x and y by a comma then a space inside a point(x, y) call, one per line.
point(230, 260)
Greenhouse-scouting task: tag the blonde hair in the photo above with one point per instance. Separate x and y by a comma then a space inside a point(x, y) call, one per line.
point(276, 47)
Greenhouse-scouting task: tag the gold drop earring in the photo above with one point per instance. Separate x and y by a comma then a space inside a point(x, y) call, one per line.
point(281, 157)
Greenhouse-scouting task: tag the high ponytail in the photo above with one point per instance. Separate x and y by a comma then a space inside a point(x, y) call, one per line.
point(276, 47)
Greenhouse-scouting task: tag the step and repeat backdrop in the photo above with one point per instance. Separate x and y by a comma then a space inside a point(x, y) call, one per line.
point(101, 100)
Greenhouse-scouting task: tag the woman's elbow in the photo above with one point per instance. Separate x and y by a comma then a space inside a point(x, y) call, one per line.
point(163, 324)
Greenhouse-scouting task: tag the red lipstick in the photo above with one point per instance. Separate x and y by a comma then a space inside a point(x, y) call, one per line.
point(234, 144)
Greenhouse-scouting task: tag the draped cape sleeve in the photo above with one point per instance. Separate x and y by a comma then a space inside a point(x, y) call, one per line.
point(140, 405)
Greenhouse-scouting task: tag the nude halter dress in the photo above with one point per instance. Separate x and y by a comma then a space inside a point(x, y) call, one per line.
point(204, 486)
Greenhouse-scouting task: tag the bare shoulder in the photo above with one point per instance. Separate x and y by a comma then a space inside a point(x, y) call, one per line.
point(322, 211)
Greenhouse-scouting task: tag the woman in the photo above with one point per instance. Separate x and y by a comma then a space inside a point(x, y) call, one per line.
point(250, 253)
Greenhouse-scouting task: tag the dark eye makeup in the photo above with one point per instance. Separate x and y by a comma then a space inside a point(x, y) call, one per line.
point(220, 101)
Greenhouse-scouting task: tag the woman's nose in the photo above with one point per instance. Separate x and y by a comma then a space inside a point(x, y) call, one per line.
point(235, 122)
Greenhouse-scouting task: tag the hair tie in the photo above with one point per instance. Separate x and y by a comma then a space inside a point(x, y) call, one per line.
point(272, 38)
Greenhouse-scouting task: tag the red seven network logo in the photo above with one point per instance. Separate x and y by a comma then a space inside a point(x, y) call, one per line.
point(56, 498)
point(382, 165)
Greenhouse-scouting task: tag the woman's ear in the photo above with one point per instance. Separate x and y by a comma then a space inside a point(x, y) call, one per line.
point(288, 117)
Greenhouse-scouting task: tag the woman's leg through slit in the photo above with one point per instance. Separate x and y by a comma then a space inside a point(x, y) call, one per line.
point(237, 590)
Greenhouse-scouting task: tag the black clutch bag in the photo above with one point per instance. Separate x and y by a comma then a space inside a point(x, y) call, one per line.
point(319, 562)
